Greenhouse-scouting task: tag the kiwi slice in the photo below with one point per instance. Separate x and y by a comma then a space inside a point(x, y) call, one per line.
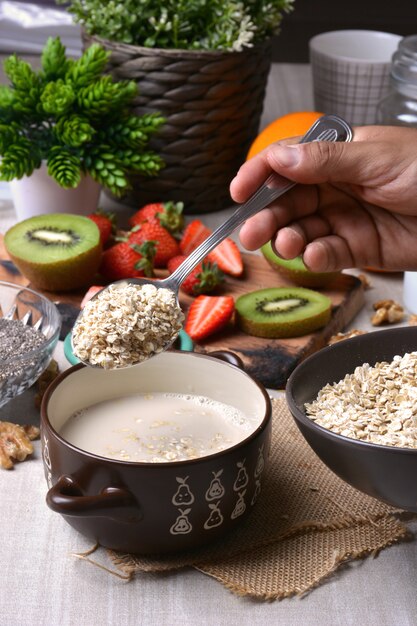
point(296, 271)
point(282, 312)
point(55, 251)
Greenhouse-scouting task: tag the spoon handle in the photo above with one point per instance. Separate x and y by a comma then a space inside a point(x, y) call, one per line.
point(326, 128)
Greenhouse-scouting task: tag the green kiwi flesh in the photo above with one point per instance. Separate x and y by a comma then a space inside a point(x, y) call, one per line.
point(55, 251)
point(295, 270)
point(281, 312)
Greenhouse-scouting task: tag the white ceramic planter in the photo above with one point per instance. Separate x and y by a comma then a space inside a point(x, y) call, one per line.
point(39, 193)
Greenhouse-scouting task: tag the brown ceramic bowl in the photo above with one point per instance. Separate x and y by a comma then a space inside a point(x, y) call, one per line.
point(161, 507)
point(385, 472)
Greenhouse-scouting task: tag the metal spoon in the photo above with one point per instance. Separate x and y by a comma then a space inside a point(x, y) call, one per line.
point(327, 128)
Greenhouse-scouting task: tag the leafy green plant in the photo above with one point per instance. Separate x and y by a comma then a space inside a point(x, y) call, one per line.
point(189, 24)
point(75, 118)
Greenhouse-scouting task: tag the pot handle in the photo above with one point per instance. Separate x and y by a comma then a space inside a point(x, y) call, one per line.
point(66, 497)
point(228, 357)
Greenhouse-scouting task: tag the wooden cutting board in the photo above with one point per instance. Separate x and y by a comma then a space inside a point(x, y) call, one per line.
point(271, 361)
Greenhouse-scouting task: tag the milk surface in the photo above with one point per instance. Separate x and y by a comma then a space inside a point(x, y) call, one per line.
point(157, 427)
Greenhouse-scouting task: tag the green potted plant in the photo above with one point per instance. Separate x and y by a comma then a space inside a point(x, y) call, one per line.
point(68, 129)
point(204, 65)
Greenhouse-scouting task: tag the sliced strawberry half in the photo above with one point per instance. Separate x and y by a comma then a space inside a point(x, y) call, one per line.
point(226, 255)
point(194, 234)
point(228, 258)
point(207, 315)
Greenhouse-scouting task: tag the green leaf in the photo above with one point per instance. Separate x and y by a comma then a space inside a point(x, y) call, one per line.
point(6, 97)
point(54, 61)
point(64, 167)
point(105, 96)
point(57, 97)
point(19, 160)
point(9, 135)
point(89, 67)
point(74, 130)
point(20, 73)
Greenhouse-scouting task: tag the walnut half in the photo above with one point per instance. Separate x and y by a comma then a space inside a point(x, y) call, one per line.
point(15, 442)
point(387, 312)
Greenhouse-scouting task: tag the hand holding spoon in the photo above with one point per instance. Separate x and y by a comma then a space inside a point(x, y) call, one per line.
point(163, 331)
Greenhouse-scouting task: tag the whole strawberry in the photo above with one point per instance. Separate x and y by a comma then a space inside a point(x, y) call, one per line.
point(126, 260)
point(106, 223)
point(168, 214)
point(166, 246)
point(204, 277)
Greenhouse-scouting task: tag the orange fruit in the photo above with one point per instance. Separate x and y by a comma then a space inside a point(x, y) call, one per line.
point(290, 125)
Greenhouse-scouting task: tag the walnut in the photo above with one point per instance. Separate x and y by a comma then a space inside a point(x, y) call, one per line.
point(44, 381)
point(383, 304)
point(15, 442)
point(340, 336)
point(387, 312)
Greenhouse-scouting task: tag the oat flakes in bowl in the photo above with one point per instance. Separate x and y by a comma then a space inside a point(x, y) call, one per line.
point(341, 390)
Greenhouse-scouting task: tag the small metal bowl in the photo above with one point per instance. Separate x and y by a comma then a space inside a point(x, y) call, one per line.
point(19, 372)
point(385, 472)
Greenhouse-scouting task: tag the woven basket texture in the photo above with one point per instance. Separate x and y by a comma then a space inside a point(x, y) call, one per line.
point(212, 102)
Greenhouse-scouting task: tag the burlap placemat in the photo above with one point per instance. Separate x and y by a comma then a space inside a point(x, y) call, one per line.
point(306, 523)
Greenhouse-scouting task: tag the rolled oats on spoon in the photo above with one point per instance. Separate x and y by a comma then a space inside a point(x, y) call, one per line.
point(125, 324)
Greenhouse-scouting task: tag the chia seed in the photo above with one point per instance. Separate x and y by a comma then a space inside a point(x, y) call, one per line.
point(16, 339)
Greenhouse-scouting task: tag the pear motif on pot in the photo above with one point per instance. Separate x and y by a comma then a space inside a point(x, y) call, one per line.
point(216, 489)
point(183, 496)
point(215, 518)
point(240, 507)
point(242, 478)
point(260, 463)
point(182, 525)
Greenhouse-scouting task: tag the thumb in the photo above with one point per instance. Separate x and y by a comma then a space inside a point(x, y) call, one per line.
point(319, 162)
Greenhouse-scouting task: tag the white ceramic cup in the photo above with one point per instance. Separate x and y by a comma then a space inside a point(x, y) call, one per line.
point(410, 291)
point(39, 194)
point(350, 70)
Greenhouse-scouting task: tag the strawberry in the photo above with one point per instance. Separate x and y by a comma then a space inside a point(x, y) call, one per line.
point(228, 258)
point(194, 234)
point(204, 277)
point(89, 294)
point(126, 260)
point(166, 246)
point(168, 214)
point(208, 315)
point(106, 224)
point(226, 255)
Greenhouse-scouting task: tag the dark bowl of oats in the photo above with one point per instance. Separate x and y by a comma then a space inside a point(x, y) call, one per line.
point(355, 403)
point(29, 330)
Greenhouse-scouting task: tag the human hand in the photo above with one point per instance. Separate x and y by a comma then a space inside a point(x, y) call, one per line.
point(356, 206)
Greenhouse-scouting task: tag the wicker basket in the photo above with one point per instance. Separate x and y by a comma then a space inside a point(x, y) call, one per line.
point(212, 102)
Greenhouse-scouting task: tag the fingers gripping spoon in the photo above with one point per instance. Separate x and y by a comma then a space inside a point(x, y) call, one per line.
point(327, 128)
